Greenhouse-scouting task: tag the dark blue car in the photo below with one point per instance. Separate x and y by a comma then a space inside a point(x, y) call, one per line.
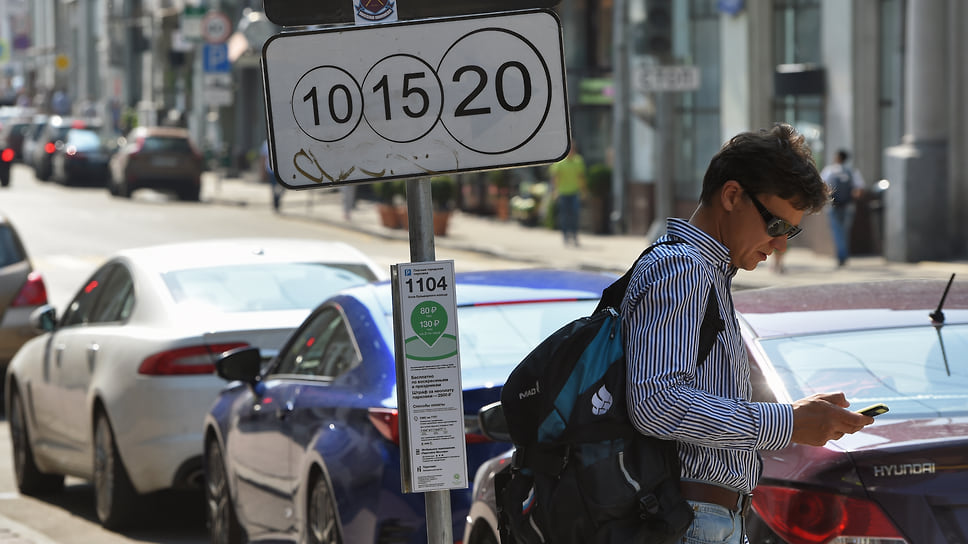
point(307, 450)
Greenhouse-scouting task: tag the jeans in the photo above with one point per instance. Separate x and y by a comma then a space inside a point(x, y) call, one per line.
point(841, 218)
point(568, 210)
point(715, 524)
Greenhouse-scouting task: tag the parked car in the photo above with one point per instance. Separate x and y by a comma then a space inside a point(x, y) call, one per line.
point(83, 156)
point(22, 290)
point(161, 158)
point(901, 480)
point(31, 144)
point(307, 450)
point(11, 146)
point(116, 389)
point(50, 137)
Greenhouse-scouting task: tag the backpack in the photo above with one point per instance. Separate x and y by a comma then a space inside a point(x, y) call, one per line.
point(581, 472)
point(842, 187)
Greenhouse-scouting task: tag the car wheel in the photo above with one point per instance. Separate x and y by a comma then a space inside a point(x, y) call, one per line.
point(114, 495)
point(321, 516)
point(190, 195)
point(223, 525)
point(4, 177)
point(30, 480)
point(122, 189)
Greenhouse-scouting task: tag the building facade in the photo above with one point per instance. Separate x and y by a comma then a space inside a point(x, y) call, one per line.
point(881, 78)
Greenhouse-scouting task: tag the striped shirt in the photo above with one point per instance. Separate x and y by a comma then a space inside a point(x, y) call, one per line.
point(707, 409)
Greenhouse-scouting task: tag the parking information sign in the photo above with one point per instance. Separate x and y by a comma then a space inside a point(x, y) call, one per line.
point(432, 408)
point(413, 99)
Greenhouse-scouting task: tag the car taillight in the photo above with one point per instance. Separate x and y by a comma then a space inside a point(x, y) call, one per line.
point(6, 155)
point(815, 517)
point(49, 148)
point(188, 360)
point(33, 293)
point(387, 422)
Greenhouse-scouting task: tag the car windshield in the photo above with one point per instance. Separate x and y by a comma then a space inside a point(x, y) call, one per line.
point(918, 371)
point(84, 139)
point(262, 287)
point(10, 250)
point(498, 336)
point(157, 143)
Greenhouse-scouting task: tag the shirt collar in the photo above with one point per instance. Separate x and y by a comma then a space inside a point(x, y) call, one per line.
point(711, 249)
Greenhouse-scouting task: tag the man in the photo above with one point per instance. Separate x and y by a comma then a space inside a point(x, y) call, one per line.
point(756, 191)
point(846, 186)
point(568, 181)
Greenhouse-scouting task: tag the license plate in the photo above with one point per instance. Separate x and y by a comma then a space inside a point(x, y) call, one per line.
point(164, 162)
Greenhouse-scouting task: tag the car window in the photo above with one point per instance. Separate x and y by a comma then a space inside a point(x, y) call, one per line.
point(322, 348)
point(82, 307)
point(117, 297)
point(84, 139)
point(916, 370)
point(11, 251)
point(167, 144)
point(259, 287)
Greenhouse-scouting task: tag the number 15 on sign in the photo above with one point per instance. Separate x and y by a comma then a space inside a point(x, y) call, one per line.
point(415, 99)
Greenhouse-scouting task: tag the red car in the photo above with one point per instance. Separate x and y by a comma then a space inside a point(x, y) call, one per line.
point(902, 480)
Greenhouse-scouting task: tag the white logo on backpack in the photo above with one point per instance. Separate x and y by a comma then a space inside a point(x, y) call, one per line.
point(601, 402)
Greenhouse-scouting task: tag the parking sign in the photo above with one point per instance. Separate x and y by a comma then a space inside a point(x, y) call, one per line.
point(368, 103)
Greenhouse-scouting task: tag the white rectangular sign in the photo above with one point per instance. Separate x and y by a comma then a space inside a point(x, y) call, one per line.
point(432, 414)
point(413, 99)
point(651, 78)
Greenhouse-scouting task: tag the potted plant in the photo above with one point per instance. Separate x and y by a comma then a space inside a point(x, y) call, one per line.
point(392, 194)
point(443, 192)
point(499, 188)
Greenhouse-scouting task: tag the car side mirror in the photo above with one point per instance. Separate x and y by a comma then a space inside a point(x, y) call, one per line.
point(493, 424)
point(44, 318)
point(240, 364)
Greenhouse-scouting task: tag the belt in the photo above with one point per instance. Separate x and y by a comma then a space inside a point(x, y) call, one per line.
point(734, 501)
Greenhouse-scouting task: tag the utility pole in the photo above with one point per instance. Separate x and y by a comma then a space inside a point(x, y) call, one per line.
point(621, 149)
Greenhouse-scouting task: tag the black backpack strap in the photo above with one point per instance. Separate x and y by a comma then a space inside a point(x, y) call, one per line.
point(613, 294)
point(711, 326)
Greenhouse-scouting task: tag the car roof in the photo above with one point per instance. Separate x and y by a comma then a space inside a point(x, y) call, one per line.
point(808, 309)
point(170, 132)
point(213, 252)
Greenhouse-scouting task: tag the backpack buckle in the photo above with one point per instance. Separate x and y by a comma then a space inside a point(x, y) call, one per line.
point(648, 506)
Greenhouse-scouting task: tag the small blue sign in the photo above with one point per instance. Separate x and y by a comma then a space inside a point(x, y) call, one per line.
point(215, 58)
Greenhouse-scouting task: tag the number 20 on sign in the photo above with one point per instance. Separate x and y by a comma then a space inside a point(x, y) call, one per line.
point(416, 99)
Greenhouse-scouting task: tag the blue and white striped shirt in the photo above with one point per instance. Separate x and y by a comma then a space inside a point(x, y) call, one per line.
point(707, 409)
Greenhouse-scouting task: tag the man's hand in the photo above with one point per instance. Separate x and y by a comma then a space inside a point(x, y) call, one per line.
point(823, 417)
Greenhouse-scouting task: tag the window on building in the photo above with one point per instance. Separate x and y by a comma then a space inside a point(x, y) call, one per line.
point(797, 42)
point(891, 72)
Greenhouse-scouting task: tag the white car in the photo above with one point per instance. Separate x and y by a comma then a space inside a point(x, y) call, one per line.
point(116, 389)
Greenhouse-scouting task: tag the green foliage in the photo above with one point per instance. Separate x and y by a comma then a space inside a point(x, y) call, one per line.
point(388, 191)
point(443, 192)
point(499, 178)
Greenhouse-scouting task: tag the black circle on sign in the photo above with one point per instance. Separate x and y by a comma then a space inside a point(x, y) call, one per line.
point(327, 99)
point(384, 133)
point(547, 105)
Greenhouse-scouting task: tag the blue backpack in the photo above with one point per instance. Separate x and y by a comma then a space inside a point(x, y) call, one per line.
point(842, 187)
point(581, 473)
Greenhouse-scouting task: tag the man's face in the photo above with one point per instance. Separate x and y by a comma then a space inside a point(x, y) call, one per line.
point(749, 244)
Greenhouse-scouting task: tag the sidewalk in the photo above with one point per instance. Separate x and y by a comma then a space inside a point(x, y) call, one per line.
point(544, 247)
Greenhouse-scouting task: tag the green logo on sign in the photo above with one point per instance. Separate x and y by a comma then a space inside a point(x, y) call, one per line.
point(429, 320)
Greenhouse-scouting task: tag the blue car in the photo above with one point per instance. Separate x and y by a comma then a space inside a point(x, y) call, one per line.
point(307, 450)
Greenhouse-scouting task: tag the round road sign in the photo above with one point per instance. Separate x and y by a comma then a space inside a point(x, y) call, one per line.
point(216, 27)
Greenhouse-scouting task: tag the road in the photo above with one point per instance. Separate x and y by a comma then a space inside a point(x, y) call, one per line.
point(68, 232)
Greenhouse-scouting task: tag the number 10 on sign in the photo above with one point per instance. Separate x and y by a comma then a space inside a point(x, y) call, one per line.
point(414, 99)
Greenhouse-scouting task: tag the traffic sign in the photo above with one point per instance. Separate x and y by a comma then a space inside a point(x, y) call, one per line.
point(322, 12)
point(416, 99)
point(215, 58)
point(653, 78)
point(216, 27)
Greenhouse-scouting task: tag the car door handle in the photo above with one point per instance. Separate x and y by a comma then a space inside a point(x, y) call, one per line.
point(92, 356)
point(285, 410)
point(58, 353)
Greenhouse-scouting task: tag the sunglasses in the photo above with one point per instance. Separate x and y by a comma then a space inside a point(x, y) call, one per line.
point(774, 225)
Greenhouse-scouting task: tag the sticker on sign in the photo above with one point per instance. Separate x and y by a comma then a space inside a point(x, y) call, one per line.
point(369, 103)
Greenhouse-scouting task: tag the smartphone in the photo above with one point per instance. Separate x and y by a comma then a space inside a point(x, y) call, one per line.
point(874, 410)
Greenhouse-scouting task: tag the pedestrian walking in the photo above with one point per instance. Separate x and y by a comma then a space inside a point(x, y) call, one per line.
point(846, 185)
point(270, 176)
point(568, 180)
point(755, 193)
